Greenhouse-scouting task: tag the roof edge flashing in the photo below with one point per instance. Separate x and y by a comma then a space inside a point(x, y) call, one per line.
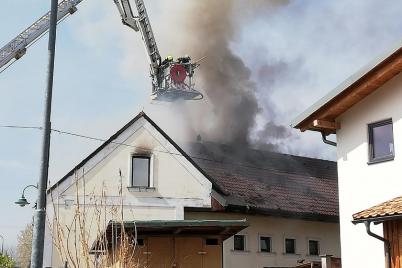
point(379, 219)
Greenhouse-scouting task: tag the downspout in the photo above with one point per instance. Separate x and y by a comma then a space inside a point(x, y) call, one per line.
point(324, 139)
point(387, 244)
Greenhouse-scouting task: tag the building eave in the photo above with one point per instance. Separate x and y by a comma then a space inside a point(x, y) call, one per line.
point(322, 115)
point(379, 219)
point(309, 216)
point(222, 228)
point(386, 211)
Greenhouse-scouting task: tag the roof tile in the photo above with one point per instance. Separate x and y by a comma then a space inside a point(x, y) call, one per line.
point(271, 181)
point(392, 207)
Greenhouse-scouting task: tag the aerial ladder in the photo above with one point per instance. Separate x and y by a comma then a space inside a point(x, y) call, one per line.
point(172, 79)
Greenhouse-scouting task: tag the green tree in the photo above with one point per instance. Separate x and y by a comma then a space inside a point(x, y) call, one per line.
point(6, 261)
point(24, 246)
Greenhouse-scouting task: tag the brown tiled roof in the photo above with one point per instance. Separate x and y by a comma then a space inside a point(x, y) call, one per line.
point(257, 181)
point(271, 183)
point(389, 208)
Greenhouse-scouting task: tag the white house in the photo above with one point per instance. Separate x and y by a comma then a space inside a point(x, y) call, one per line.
point(365, 114)
point(281, 209)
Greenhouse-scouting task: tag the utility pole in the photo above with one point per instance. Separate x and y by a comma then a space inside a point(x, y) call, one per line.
point(38, 238)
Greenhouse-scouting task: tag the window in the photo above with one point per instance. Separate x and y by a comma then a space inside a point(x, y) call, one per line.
point(313, 247)
point(211, 242)
point(381, 141)
point(239, 242)
point(265, 244)
point(137, 242)
point(140, 241)
point(140, 171)
point(290, 246)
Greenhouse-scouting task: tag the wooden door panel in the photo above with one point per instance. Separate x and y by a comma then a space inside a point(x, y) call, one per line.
point(188, 252)
point(213, 253)
point(178, 252)
point(161, 252)
point(139, 257)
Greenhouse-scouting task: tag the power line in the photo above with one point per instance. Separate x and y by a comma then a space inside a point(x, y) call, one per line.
point(134, 146)
point(104, 140)
point(83, 136)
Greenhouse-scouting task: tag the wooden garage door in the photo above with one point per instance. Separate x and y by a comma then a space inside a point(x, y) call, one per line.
point(213, 253)
point(197, 252)
point(188, 251)
point(179, 252)
point(160, 252)
point(140, 254)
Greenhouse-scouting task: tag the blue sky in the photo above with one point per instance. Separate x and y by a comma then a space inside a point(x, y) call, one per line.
point(90, 96)
point(101, 77)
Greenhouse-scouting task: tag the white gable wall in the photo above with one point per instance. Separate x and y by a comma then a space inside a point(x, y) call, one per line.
point(177, 183)
point(173, 175)
point(361, 185)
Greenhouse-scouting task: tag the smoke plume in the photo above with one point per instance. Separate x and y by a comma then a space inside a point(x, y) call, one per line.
point(266, 61)
point(231, 113)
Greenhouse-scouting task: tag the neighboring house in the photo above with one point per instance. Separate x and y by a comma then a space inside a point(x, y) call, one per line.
point(365, 114)
point(390, 214)
point(184, 208)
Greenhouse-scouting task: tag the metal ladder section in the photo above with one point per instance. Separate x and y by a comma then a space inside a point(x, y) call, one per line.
point(148, 36)
point(16, 48)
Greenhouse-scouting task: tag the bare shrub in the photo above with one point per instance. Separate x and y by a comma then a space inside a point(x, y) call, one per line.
point(24, 247)
point(81, 240)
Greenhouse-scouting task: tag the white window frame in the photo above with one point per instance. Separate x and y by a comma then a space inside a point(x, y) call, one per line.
point(259, 243)
point(151, 170)
point(308, 246)
point(245, 243)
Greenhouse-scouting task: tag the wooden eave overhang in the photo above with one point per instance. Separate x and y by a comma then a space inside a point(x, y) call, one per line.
point(322, 116)
point(222, 228)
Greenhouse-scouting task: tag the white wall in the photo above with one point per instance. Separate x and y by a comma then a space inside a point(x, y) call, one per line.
point(177, 184)
point(278, 229)
point(361, 185)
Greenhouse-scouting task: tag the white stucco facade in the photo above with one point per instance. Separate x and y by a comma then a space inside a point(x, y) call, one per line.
point(176, 184)
point(362, 185)
point(278, 229)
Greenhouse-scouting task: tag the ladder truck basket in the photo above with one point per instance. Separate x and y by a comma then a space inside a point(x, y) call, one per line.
point(175, 81)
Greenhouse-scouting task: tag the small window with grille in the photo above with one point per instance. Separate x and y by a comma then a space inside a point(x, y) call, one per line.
point(313, 247)
point(265, 244)
point(290, 246)
point(239, 242)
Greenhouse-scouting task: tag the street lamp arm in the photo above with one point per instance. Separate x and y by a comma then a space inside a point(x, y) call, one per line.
point(22, 201)
point(28, 186)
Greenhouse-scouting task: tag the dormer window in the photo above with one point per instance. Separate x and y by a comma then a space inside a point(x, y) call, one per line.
point(381, 141)
point(141, 171)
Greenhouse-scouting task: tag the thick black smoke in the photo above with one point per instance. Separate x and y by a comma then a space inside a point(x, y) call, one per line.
point(224, 78)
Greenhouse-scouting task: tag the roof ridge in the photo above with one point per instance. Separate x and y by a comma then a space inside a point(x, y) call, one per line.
point(273, 152)
point(141, 114)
